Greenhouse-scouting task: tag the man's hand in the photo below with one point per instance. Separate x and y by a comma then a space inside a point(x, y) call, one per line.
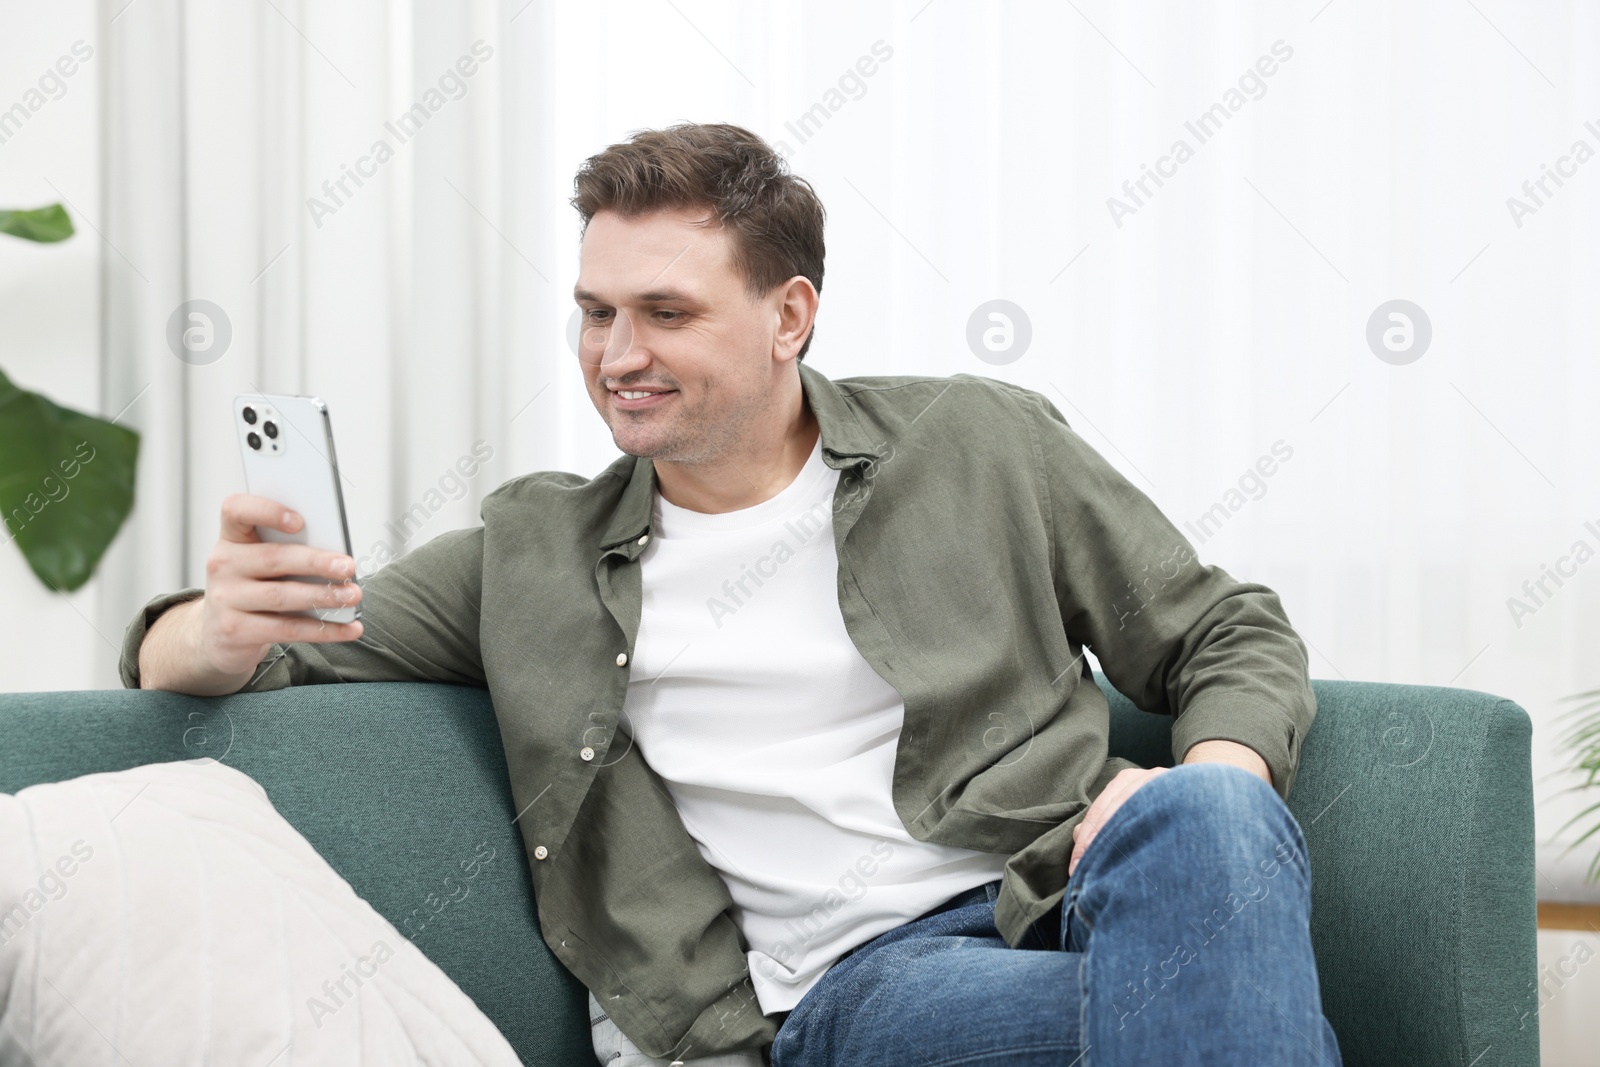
point(1123, 786)
point(1105, 805)
point(211, 646)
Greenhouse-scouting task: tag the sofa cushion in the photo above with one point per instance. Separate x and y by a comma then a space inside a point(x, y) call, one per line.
point(168, 914)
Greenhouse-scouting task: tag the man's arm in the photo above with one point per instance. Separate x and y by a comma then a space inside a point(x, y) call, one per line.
point(169, 656)
point(1173, 634)
point(419, 618)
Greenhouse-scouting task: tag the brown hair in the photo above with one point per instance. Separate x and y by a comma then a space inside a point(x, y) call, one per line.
point(775, 218)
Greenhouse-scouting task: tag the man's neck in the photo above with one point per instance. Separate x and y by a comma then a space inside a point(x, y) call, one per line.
point(757, 469)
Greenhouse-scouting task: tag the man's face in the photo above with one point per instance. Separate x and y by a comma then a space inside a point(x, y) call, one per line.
point(676, 357)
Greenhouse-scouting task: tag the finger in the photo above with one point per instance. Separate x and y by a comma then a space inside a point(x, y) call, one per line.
point(1100, 812)
point(264, 628)
point(283, 596)
point(1080, 845)
point(1082, 837)
point(1117, 792)
point(243, 512)
point(1090, 825)
point(276, 559)
point(1108, 801)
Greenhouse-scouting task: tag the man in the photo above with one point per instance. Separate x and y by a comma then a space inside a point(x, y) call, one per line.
point(805, 752)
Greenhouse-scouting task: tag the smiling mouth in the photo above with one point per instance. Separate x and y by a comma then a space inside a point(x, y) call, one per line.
point(639, 399)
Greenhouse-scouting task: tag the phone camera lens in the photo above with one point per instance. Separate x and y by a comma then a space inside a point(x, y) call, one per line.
point(254, 440)
point(270, 429)
point(250, 415)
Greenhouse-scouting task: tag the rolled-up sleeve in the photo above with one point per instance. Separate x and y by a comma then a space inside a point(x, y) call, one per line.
point(420, 620)
point(1174, 635)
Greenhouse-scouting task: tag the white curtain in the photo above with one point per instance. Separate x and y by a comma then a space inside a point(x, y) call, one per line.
point(1202, 325)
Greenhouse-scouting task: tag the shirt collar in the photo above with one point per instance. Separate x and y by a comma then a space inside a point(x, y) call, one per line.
point(845, 443)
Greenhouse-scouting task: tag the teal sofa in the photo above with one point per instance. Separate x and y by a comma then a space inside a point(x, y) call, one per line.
point(1416, 803)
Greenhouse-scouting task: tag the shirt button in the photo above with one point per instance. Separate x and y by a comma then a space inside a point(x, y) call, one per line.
point(586, 752)
point(622, 659)
point(540, 853)
point(645, 540)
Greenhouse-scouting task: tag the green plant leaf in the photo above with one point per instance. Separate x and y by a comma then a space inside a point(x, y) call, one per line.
point(1595, 829)
point(66, 484)
point(1582, 740)
point(42, 224)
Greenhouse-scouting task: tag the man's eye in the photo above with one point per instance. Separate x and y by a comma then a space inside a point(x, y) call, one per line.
point(594, 314)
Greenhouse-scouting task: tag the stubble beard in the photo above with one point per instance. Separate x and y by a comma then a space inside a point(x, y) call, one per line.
point(695, 438)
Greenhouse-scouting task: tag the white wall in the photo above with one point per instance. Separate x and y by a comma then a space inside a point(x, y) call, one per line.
point(50, 315)
point(1564, 997)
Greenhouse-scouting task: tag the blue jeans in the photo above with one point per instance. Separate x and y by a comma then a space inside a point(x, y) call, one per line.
point(1183, 938)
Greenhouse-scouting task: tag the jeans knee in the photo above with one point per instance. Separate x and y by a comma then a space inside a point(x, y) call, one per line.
point(1229, 808)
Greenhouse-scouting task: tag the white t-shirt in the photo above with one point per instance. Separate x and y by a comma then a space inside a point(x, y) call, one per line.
point(776, 739)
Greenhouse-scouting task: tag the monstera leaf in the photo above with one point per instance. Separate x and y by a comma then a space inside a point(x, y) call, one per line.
point(66, 478)
point(42, 224)
point(66, 484)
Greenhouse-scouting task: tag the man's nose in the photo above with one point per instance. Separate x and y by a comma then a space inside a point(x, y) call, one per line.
point(623, 353)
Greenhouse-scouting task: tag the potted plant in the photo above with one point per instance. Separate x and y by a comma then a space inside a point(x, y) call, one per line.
point(1582, 739)
point(66, 477)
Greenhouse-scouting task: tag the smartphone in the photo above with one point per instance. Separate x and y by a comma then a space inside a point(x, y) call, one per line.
point(286, 443)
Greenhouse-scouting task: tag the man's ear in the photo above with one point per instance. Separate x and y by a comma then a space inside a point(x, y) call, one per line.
point(795, 314)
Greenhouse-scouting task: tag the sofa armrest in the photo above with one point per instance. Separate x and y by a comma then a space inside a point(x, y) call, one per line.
point(1417, 806)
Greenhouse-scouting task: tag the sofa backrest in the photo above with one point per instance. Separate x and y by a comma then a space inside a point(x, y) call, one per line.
point(1416, 804)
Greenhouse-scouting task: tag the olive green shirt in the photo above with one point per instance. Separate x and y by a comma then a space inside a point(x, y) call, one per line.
point(982, 545)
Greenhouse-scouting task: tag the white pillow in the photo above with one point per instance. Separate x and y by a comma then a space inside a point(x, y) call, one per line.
point(167, 914)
